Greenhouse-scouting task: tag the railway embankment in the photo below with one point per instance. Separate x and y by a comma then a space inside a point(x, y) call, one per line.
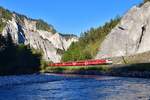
point(140, 70)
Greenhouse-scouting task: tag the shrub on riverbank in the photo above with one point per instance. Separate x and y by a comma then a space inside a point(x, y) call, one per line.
point(17, 59)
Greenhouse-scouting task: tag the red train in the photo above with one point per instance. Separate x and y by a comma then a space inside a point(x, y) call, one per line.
point(83, 63)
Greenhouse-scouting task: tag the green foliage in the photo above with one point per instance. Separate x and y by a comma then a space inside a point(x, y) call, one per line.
point(59, 51)
point(4, 15)
point(76, 52)
point(2, 25)
point(44, 64)
point(17, 59)
point(78, 69)
point(89, 42)
point(7, 15)
point(67, 36)
point(42, 25)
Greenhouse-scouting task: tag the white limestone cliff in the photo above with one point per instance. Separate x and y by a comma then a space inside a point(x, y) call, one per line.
point(27, 33)
point(130, 36)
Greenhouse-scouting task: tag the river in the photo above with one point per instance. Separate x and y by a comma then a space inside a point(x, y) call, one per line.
point(73, 87)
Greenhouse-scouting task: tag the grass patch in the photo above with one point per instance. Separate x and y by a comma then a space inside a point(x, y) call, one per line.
point(77, 69)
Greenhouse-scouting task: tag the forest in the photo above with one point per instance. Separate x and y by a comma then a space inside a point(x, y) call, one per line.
point(89, 42)
point(17, 59)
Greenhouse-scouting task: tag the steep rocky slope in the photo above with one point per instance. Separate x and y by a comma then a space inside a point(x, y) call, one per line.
point(25, 31)
point(130, 36)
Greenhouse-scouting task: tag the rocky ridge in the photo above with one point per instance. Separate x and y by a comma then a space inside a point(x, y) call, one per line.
point(24, 31)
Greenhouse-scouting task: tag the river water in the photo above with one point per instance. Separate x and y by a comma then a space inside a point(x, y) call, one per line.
point(73, 87)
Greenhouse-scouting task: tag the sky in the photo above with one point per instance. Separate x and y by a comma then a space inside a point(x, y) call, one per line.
point(71, 16)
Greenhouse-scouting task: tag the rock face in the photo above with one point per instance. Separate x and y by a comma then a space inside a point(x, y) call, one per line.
point(49, 43)
point(130, 36)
